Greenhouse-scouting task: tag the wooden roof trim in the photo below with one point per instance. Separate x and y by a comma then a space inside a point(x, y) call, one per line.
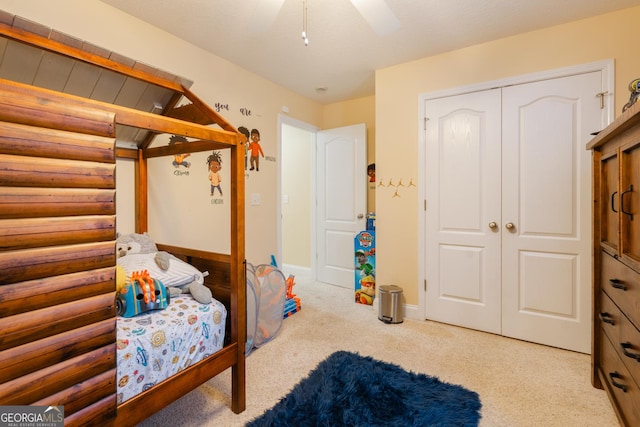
point(129, 116)
point(34, 34)
point(215, 117)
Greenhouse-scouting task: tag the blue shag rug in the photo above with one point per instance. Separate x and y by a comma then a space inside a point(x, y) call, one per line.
point(347, 389)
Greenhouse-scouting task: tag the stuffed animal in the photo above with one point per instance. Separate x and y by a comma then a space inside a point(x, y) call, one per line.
point(121, 278)
point(135, 243)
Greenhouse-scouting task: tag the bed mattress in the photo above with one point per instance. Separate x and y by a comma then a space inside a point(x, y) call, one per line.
point(153, 346)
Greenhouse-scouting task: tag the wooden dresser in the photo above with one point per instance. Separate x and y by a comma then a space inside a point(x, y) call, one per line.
point(616, 264)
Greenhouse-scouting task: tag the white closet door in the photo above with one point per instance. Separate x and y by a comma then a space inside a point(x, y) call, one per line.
point(546, 192)
point(463, 199)
point(508, 218)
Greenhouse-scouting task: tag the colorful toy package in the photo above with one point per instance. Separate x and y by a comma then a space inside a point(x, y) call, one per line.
point(365, 267)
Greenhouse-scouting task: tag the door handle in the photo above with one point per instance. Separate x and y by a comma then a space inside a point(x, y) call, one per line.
point(493, 225)
point(360, 216)
point(509, 226)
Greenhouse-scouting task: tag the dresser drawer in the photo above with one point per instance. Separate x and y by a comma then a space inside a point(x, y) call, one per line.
point(623, 390)
point(623, 286)
point(624, 337)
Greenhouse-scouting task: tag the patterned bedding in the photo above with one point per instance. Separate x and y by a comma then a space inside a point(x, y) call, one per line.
point(153, 346)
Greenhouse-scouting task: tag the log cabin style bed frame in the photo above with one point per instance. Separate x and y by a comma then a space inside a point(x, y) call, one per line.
point(57, 230)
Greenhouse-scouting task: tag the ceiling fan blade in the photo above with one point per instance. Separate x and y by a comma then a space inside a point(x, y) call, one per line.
point(378, 15)
point(264, 15)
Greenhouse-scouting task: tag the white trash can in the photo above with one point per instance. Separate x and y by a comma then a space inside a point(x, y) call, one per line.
point(390, 307)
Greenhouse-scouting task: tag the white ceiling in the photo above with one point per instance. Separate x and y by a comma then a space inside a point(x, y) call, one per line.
point(343, 49)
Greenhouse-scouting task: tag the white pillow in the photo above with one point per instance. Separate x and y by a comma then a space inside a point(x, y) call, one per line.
point(178, 274)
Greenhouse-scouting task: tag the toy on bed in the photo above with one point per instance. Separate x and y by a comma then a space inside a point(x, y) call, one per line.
point(138, 252)
point(139, 294)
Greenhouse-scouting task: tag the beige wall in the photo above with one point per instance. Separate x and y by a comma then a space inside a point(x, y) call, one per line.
point(397, 130)
point(296, 187)
point(215, 81)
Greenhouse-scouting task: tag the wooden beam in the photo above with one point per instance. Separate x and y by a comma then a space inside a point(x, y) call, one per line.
point(187, 147)
point(127, 116)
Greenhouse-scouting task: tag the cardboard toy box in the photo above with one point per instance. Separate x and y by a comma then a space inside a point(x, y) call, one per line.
point(365, 267)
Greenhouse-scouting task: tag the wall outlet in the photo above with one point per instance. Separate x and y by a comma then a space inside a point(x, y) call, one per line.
point(255, 199)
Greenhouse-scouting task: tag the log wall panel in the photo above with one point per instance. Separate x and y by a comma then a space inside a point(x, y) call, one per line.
point(23, 171)
point(41, 232)
point(57, 255)
point(34, 110)
point(26, 327)
point(31, 141)
point(24, 202)
point(29, 264)
point(82, 394)
point(99, 414)
point(30, 357)
point(55, 378)
point(23, 297)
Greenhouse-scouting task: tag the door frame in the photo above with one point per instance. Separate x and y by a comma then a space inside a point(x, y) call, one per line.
point(286, 120)
point(606, 67)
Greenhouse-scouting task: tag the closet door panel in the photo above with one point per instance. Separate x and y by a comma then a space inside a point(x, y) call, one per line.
point(546, 198)
point(463, 210)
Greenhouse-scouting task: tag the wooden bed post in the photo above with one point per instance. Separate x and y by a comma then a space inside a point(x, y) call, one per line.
point(141, 193)
point(238, 273)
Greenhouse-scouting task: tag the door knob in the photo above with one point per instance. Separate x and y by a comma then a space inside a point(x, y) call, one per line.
point(493, 225)
point(509, 226)
point(360, 216)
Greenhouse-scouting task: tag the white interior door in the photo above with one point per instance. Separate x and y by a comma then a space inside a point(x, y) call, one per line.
point(463, 200)
point(546, 195)
point(342, 201)
point(508, 209)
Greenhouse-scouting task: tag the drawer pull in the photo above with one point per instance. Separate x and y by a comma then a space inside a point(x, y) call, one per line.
point(606, 318)
point(627, 345)
point(618, 284)
point(612, 376)
point(613, 195)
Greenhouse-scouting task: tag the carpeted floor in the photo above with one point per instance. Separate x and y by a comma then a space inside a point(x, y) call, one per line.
point(520, 384)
